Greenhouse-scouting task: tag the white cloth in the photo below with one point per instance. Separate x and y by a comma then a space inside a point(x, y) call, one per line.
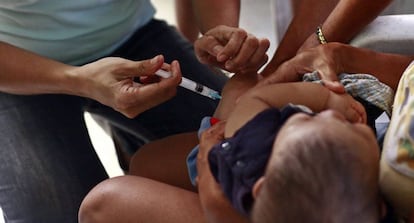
point(1, 216)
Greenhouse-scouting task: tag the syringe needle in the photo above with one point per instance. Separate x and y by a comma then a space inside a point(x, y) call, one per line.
point(192, 85)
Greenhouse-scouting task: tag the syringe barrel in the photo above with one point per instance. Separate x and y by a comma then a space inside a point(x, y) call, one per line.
point(191, 85)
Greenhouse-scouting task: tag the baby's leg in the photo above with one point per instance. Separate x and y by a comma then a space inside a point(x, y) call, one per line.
point(164, 160)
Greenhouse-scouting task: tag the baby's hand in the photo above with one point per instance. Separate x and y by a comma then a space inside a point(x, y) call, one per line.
point(348, 106)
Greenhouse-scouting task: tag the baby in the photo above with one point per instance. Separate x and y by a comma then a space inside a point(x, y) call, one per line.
point(239, 161)
point(321, 169)
point(234, 162)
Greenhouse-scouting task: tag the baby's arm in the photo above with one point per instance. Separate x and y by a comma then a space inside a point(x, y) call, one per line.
point(348, 106)
point(312, 95)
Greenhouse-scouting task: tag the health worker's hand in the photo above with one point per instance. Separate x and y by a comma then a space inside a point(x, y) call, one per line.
point(325, 59)
point(217, 208)
point(112, 81)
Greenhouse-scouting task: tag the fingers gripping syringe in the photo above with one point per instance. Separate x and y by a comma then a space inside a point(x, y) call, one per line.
point(192, 86)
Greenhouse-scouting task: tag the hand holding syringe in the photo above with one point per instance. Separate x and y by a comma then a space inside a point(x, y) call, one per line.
point(192, 86)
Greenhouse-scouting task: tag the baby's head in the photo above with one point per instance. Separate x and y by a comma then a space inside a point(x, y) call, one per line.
point(322, 169)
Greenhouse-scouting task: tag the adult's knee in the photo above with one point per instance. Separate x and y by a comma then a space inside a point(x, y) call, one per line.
point(96, 205)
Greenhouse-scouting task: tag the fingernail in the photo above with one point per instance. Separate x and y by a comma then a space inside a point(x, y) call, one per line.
point(217, 49)
point(322, 83)
point(178, 65)
point(229, 64)
point(222, 57)
point(155, 59)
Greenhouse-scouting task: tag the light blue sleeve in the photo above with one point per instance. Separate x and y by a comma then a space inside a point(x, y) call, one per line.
point(192, 156)
point(75, 31)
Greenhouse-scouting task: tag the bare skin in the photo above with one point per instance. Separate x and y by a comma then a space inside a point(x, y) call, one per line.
point(195, 17)
point(213, 203)
point(333, 16)
point(232, 49)
point(109, 80)
point(335, 58)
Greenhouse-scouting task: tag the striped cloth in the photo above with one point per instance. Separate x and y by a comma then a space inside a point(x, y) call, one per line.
point(364, 86)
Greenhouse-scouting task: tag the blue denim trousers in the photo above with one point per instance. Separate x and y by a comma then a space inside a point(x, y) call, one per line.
point(47, 161)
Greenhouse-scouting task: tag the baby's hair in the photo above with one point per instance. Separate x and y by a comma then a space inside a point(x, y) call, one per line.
point(317, 177)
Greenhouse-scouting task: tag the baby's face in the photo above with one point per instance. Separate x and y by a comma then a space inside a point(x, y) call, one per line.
point(333, 124)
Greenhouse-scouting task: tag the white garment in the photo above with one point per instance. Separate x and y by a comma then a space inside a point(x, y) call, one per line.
point(400, 7)
point(283, 13)
point(1, 216)
point(71, 31)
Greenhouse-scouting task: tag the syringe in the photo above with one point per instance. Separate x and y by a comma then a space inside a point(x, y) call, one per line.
point(192, 86)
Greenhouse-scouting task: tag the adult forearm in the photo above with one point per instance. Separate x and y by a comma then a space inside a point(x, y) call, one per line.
point(217, 208)
point(308, 16)
point(23, 72)
point(340, 22)
point(109, 80)
point(388, 68)
point(349, 17)
point(211, 13)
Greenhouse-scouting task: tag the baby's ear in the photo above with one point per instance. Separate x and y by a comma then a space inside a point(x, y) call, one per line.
point(257, 187)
